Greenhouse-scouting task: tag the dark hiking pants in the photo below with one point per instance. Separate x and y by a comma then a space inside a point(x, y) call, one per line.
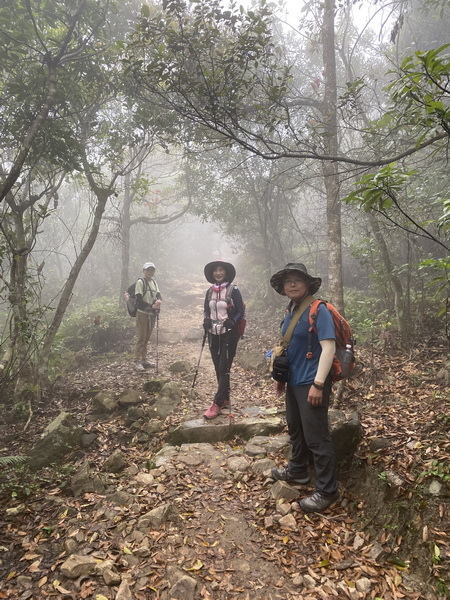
point(223, 349)
point(310, 436)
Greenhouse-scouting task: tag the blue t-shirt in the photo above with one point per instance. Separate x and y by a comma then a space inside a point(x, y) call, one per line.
point(303, 370)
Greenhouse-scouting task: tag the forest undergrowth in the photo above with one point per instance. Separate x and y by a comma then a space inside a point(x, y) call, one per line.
point(387, 538)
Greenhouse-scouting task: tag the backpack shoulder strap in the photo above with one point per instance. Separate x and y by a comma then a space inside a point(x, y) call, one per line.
point(145, 285)
point(229, 291)
point(314, 310)
point(301, 309)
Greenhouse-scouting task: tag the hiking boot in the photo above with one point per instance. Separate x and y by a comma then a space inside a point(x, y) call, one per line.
point(138, 366)
point(212, 412)
point(148, 365)
point(286, 475)
point(319, 501)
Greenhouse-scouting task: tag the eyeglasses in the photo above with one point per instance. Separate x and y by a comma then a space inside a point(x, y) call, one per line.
point(293, 281)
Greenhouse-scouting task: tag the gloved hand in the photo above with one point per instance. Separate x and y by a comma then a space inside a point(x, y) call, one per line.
point(228, 324)
point(207, 324)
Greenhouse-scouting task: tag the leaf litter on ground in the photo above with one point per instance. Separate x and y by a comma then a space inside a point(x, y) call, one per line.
point(228, 536)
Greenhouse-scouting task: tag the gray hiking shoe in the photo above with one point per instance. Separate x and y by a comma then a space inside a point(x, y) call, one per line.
point(138, 366)
point(286, 475)
point(319, 501)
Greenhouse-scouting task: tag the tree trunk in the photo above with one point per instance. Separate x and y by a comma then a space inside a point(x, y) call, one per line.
point(18, 348)
point(102, 197)
point(125, 234)
point(20, 227)
point(329, 169)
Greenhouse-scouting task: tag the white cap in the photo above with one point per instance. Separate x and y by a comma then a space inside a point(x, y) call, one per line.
point(149, 265)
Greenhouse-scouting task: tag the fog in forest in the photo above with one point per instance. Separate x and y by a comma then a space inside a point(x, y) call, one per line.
point(201, 439)
point(327, 145)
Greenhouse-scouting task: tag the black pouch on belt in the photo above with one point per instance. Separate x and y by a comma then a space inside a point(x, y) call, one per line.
point(280, 368)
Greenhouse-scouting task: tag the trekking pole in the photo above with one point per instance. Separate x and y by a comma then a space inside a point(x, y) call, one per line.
point(199, 359)
point(157, 341)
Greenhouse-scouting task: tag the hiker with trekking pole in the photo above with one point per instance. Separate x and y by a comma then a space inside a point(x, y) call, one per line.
point(223, 324)
point(148, 304)
point(303, 368)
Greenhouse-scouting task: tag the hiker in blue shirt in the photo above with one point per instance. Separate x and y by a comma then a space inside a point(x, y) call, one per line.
point(308, 389)
point(223, 309)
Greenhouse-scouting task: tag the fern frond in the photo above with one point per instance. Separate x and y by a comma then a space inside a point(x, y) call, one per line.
point(10, 461)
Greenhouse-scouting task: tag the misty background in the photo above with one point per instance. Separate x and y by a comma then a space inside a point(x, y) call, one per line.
point(125, 142)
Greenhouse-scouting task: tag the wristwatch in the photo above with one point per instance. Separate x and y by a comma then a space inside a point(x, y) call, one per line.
point(317, 386)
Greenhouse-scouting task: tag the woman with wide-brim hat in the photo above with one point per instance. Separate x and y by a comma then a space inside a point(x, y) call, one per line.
point(223, 309)
point(310, 355)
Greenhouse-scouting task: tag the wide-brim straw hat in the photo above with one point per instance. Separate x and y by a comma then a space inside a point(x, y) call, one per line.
point(209, 268)
point(276, 281)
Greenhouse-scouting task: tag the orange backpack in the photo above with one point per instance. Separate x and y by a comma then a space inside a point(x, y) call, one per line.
point(344, 358)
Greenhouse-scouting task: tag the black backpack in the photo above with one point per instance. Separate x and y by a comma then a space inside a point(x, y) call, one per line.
point(130, 298)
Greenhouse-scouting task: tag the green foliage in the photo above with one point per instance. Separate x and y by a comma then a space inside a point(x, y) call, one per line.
point(383, 477)
point(415, 200)
point(240, 76)
point(8, 461)
point(34, 51)
point(61, 104)
point(435, 469)
point(367, 316)
point(96, 328)
point(444, 220)
point(441, 586)
point(393, 193)
point(377, 191)
point(373, 317)
point(420, 92)
point(17, 481)
point(440, 269)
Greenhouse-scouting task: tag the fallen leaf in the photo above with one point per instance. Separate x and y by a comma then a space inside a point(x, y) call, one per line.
point(62, 590)
point(196, 566)
point(324, 563)
point(34, 567)
point(31, 556)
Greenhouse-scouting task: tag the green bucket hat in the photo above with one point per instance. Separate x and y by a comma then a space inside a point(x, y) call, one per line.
point(276, 281)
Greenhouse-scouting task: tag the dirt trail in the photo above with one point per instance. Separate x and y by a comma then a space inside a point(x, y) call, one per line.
point(230, 535)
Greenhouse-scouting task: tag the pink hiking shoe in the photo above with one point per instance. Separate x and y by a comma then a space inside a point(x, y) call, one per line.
point(212, 412)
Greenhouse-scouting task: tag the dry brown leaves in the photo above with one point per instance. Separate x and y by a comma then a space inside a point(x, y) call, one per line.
point(228, 537)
